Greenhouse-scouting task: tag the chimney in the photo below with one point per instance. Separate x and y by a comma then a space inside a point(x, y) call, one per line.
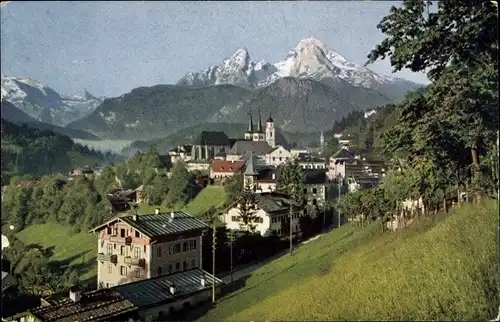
point(172, 289)
point(134, 217)
point(274, 176)
point(75, 295)
point(203, 281)
point(172, 215)
point(157, 211)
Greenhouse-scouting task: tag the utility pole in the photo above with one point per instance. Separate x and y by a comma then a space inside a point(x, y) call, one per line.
point(230, 237)
point(213, 261)
point(338, 200)
point(291, 214)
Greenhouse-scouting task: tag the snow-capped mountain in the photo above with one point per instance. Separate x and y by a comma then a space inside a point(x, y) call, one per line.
point(45, 104)
point(310, 59)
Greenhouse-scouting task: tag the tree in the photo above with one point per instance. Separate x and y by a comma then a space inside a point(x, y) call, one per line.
point(157, 190)
point(457, 47)
point(234, 187)
point(247, 207)
point(178, 185)
point(290, 180)
point(332, 145)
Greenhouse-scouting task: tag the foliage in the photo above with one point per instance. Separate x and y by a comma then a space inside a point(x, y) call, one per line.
point(290, 179)
point(357, 273)
point(332, 145)
point(234, 187)
point(28, 150)
point(247, 206)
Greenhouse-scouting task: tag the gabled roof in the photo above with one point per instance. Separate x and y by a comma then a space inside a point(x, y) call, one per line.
point(315, 176)
point(242, 147)
point(344, 153)
point(249, 166)
point(275, 202)
point(155, 225)
point(212, 138)
point(227, 166)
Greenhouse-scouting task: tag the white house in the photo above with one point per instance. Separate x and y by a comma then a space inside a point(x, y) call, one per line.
point(279, 155)
point(271, 217)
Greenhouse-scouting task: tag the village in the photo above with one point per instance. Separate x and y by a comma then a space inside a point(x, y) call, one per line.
point(152, 265)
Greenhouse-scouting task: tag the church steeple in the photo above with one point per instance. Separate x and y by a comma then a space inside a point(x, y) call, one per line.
point(250, 122)
point(259, 125)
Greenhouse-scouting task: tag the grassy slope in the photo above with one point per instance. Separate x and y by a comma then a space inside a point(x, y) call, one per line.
point(432, 271)
point(209, 196)
point(68, 247)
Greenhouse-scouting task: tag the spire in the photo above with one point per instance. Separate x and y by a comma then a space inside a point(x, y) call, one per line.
point(250, 122)
point(250, 169)
point(270, 119)
point(259, 125)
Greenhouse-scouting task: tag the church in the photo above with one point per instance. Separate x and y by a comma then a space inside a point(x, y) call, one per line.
point(216, 144)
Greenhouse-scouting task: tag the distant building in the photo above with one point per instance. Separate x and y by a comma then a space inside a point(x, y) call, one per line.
point(181, 152)
point(221, 169)
point(136, 247)
point(311, 162)
point(278, 156)
point(208, 144)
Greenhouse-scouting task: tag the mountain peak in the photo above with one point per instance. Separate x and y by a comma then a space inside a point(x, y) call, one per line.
point(309, 43)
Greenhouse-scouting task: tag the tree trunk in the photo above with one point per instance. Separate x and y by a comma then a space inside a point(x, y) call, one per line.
point(444, 205)
point(476, 174)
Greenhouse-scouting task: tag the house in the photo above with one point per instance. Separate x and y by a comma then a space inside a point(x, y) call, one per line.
point(272, 215)
point(311, 162)
point(315, 187)
point(208, 144)
point(181, 152)
point(122, 200)
point(338, 162)
point(85, 171)
point(197, 165)
point(133, 247)
point(221, 169)
point(278, 156)
point(153, 298)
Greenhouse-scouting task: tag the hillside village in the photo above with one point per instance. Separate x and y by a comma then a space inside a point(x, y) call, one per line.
point(161, 253)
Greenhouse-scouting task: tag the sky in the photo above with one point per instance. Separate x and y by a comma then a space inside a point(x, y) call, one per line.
point(109, 48)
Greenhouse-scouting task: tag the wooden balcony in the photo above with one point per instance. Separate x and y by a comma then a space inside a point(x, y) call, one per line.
point(107, 258)
point(135, 261)
point(121, 240)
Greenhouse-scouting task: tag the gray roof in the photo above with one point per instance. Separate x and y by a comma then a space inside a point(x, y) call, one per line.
point(244, 146)
point(157, 290)
point(315, 176)
point(344, 153)
point(275, 201)
point(249, 166)
point(99, 305)
point(161, 224)
point(212, 138)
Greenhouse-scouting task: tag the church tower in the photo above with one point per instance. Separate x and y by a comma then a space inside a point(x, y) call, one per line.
point(259, 135)
point(322, 140)
point(270, 132)
point(249, 132)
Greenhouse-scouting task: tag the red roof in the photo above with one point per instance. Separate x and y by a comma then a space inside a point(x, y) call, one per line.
point(227, 166)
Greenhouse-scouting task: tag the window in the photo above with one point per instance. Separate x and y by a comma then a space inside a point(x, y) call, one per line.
point(184, 246)
point(110, 268)
point(137, 234)
point(177, 267)
point(160, 271)
point(192, 244)
point(144, 249)
point(110, 231)
point(314, 202)
point(137, 273)
point(193, 263)
point(259, 220)
point(122, 250)
point(274, 158)
point(177, 248)
point(158, 251)
point(305, 190)
point(170, 268)
point(122, 232)
point(184, 266)
point(137, 252)
point(170, 249)
point(110, 249)
point(123, 270)
point(235, 218)
point(315, 190)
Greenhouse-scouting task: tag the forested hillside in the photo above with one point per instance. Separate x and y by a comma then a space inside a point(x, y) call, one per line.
point(38, 152)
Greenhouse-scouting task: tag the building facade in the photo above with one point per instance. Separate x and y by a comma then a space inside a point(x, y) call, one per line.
point(136, 247)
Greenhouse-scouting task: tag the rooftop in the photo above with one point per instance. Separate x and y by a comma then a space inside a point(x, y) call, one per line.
point(275, 202)
point(243, 147)
point(154, 225)
point(99, 305)
point(227, 166)
point(212, 138)
point(157, 290)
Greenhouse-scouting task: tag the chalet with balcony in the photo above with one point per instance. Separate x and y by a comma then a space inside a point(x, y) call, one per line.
point(136, 247)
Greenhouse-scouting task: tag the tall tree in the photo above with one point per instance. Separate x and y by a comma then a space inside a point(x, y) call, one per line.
point(290, 180)
point(178, 185)
point(247, 206)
